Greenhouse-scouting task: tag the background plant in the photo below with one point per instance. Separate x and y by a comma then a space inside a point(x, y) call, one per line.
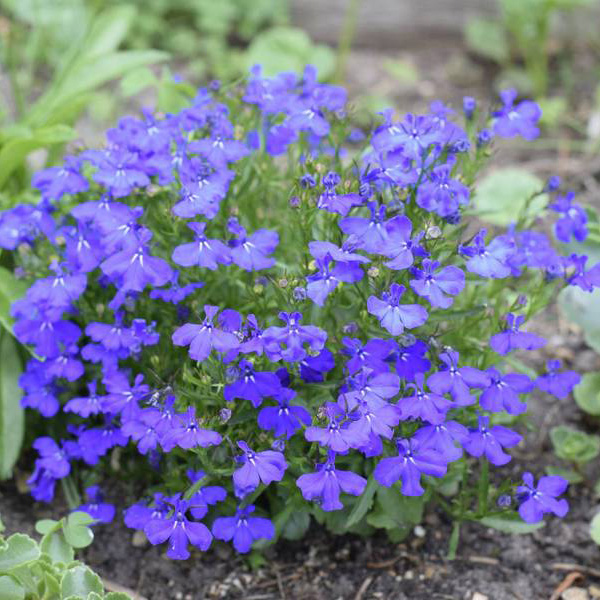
point(47, 570)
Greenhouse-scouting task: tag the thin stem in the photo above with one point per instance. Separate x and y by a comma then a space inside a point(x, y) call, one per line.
point(346, 38)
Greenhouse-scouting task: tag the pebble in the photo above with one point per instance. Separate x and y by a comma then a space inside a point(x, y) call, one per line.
point(139, 539)
point(575, 593)
point(479, 596)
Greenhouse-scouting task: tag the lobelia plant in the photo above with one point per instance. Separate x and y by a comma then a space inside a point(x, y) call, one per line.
point(263, 315)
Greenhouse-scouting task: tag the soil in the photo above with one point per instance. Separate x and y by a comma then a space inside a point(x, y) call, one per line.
point(489, 564)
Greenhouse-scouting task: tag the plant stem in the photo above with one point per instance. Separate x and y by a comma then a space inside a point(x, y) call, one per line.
point(70, 491)
point(454, 537)
point(346, 38)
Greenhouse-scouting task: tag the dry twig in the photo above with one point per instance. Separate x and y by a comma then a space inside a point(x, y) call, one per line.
point(565, 584)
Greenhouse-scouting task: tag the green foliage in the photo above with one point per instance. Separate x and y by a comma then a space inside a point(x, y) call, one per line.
point(510, 523)
point(521, 36)
point(82, 54)
point(11, 413)
point(288, 49)
point(595, 528)
point(573, 445)
point(46, 570)
point(507, 193)
point(587, 394)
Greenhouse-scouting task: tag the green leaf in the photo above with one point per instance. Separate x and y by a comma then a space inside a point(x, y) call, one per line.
point(574, 445)
point(395, 511)
point(364, 503)
point(11, 413)
point(80, 581)
point(506, 193)
point(595, 528)
point(137, 80)
point(76, 530)
point(487, 38)
point(11, 289)
point(108, 30)
point(57, 548)
point(15, 151)
point(511, 523)
point(296, 525)
point(587, 393)
point(11, 589)
point(94, 596)
point(117, 596)
point(44, 526)
point(582, 308)
point(282, 49)
point(570, 475)
point(20, 550)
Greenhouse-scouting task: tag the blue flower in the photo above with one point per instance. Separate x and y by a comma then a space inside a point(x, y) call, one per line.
point(334, 202)
point(243, 529)
point(186, 433)
point(413, 460)
point(288, 342)
point(285, 418)
point(327, 482)
point(434, 283)
point(393, 316)
point(511, 338)
point(491, 441)
point(573, 220)
point(101, 512)
point(251, 252)
point(428, 406)
point(203, 252)
point(503, 392)
point(555, 383)
point(536, 501)
point(521, 119)
point(204, 337)
point(257, 467)
point(487, 261)
point(178, 530)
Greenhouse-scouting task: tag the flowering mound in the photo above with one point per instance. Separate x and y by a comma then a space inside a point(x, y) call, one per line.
point(277, 317)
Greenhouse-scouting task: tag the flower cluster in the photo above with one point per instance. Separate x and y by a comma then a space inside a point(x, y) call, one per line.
point(231, 299)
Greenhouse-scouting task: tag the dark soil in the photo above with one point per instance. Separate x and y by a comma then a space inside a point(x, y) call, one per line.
point(489, 564)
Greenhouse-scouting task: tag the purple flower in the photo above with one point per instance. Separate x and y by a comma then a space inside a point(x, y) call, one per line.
point(521, 119)
point(122, 397)
point(537, 501)
point(511, 338)
point(203, 338)
point(333, 202)
point(399, 245)
point(142, 428)
point(337, 435)
point(100, 511)
point(503, 392)
point(447, 438)
point(435, 285)
point(55, 182)
point(243, 529)
point(185, 432)
point(47, 334)
point(251, 252)
point(372, 354)
point(288, 342)
point(53, 458)
point(86, 405)
point(219, 151)
point(176, 293)
point(285, 418)
point(573, 220)
point(133, 268)
point(487, 261)
point(252, 385)
point(491, 441)
point(313, 367)
point(428, 406)
point(257, 467)
point(178, 530)
point(410, 359)
point(368, 234)
point(441, 194)
point(59, 291)
point(369, 386)
point(555, 383)
point(119, 171)
point(203, 252)
point(393, 316)
point(413, 460)
point(457, 381)
point(327, 482)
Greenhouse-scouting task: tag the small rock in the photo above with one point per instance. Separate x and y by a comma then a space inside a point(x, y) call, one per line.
point(479, 596)
point(594, 591)
point(409, 575)
point(139, 539)
point(575, 593)
point(419, 531)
